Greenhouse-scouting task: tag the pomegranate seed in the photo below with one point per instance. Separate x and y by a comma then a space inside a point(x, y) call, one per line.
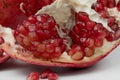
point(89, 52)
point(111, 3)
point(52, 76)
point(78, 55)
point(98, 42)
point(117, 34)
point(98, 7)
point(90, 25)
point(103, 2)
point(76, 52)
point(44, 74)
point(33, 76)
point(110, 36)
point(114, 27)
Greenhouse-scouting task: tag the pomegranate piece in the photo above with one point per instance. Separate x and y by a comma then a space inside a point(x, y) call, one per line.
point(10, 13)
point(32, 6)
point(39, 35)
point(75, 37)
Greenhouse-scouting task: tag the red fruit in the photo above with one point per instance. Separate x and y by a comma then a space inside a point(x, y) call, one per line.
point(111, 3)
point(52, 76)
point(10, 13)
point(78, 41)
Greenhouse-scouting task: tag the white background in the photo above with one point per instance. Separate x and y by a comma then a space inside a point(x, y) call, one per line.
point(106, 69)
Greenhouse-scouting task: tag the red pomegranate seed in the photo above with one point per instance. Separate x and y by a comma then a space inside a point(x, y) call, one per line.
point(103, 2)
point(90, 25)
point(118, 5)
point(98, 7)
point(76, 52)
point(52, 76)
point(44, 74)
point(111, 3)
point(81, 16)
point(33, 76)
point(110, 36)
point(89, 52)
point(111, 21)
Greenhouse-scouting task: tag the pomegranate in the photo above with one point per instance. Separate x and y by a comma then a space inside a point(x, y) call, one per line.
point(66, 33)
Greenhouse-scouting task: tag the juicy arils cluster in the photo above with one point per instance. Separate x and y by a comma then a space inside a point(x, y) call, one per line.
point(40, 35)
point(104, 8)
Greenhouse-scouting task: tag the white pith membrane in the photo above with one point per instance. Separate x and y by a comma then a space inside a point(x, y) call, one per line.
point(61, 10)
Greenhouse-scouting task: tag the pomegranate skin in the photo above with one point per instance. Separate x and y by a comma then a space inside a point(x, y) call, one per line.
point(75, 64)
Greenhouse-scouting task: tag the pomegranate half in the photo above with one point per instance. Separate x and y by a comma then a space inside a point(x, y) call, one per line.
point(89, 35)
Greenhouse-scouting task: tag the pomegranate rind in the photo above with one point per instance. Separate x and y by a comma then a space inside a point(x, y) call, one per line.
point(17, 52)
point(4, 58)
